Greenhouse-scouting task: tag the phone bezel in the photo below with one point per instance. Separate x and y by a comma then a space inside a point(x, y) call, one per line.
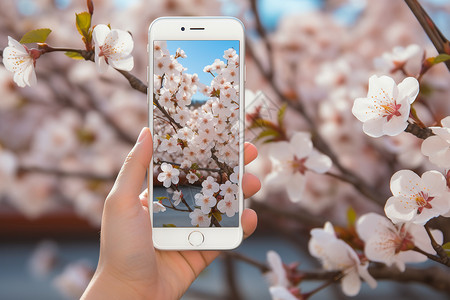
point(215, 28)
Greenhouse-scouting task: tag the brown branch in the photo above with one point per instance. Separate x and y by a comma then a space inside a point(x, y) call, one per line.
point(297, 215)
point(263, 34)
point(438, 248)
point(433, 277)
point(66, 173)
point(439, 41)
point(421, 133)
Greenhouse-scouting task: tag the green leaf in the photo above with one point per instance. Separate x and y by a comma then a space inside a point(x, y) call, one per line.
point(446, 247)
point(83, 21)
point(169, 225)
point(35, 36)
point(217, 215)
point(441, 58)
point(438, 59)
point(281, 113)
point(351, 216)
point(161, 198)
point(267, 133)
point(73, 55)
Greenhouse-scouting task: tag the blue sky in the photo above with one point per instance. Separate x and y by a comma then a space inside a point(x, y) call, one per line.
point(199, 54)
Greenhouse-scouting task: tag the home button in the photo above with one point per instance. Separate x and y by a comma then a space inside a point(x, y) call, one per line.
point(196, 238)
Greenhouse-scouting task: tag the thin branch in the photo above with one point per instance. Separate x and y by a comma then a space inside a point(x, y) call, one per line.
point(438, 248)
point(418, 131)
point(263, 34)
point(297, 215)
point(433, 277)
point(66, 173)
point(177, 164)
point(439, 41)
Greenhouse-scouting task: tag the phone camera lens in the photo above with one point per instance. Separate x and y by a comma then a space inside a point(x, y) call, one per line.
point(182, 28)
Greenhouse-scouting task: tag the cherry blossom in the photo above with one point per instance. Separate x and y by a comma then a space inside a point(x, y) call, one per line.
point(417, 199)
point(191, 177)
point(168, 175)
point(291, 160)
point(158, 207)
point(112, 47)
point(392, 244)
point(228, 188)
point(385, 110)
point(336, 255)
point(198, 218)
point(277, 278)
point(228, 205)
point(437, 147)
point(176, 197)
point(210, 186)
point(18, 59)
point(391, 61)
point(206, 202)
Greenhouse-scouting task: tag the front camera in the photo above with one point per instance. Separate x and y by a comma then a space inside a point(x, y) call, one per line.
point(182, 28)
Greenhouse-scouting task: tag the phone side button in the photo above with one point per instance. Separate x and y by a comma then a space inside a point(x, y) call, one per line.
point(196, 238)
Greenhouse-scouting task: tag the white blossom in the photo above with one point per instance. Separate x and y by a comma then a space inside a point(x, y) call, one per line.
point(199, 219)
point(228, 205)
point(385, 110)
point(417, 199)
point(336, 255)
point(291, 160)
point(168, 175)
point(391, 61)
point(210, 186)
point(158, 207)
point(437, 147)
point(21, 61)
point(112, 47)
point(205, 201)
point(392, 244)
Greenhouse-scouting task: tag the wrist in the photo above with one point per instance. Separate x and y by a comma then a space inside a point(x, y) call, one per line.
point(105, 285)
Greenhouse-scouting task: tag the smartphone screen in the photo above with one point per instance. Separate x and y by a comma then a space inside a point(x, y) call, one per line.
point(196, 133)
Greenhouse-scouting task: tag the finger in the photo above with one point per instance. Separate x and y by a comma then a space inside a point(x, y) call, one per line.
point(250, 153)
point(250, 185)
point(249, 221)
point(128, 184)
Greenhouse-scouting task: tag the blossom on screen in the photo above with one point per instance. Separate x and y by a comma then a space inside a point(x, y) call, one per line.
point(437, 147)
point(168, 175)
point(417, 199)
point(158, 207)
point(336, 255)
point(385, 110)
point(291, 160)
point(112, 47)
point(21, 61)
point(198, 218)
point(205, 201)
point(228, 205)
point(210, 186)
point(390, 243)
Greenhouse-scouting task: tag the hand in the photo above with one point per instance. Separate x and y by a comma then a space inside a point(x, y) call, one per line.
point(129, 266)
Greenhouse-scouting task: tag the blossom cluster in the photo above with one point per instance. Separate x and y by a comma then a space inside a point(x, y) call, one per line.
point(200, 147)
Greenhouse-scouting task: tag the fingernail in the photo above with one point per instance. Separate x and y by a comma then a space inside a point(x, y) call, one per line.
point(142, 135)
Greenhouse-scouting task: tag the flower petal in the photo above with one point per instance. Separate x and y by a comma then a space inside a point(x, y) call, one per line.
point(400, 209)
point(100, 33)
point(122, 63)
point(374, 127)
point(318, 162)
point(351, 284)
point(408, 89)
point(396, 125)
point(302, 144)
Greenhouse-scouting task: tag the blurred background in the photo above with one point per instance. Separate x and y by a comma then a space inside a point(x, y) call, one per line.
point(63, 141)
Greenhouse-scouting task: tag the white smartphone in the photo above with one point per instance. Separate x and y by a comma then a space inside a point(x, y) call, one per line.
point(196, 114)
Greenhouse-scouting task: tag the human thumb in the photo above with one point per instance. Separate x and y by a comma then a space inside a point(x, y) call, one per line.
point(128, 184)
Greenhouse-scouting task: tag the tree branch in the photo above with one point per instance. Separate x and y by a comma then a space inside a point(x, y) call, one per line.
point(421, 133)
point(439, 41)
point(433, 277)
point(66, 173)
point(438, 248)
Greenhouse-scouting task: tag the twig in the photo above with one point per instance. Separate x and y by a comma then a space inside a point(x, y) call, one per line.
point(295, 215)
point(433, 277)
point(230, 275)
point(66, 173)
point(431, 256)
point(438, 248)
point(263, 34)
point(418, 131)
point(439, 41)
